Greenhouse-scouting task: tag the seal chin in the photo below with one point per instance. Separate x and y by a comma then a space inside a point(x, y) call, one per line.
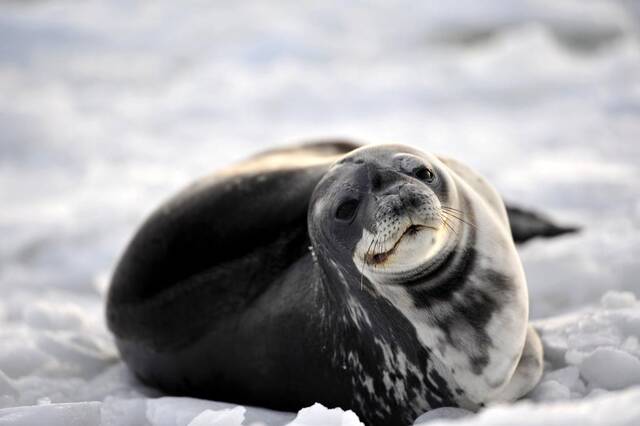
point(375, 258)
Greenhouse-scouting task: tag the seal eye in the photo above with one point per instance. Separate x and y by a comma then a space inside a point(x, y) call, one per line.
point(347, 209)
point(423, 173)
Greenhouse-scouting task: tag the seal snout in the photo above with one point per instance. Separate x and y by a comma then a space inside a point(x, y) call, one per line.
point(400, 212)
point(405, 214)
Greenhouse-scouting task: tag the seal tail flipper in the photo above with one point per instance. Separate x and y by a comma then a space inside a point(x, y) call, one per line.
point(527, 224)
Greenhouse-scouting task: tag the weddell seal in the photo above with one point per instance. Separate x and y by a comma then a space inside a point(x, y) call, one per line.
point(380, 279)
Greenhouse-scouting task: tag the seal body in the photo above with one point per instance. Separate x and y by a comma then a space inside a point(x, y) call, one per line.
point(380, 279)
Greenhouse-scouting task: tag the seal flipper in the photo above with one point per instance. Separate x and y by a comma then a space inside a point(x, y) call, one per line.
point(527, 224)
point(529, 369)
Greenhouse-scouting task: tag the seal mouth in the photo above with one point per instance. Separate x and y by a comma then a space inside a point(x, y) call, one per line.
point(380, 258)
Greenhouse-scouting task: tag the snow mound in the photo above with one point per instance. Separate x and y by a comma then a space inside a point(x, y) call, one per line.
point(72, 414)
point(173, 411)
point(319, 415)
point(593, 350)
point(619, 409)
point(592, 355)
point(443, 413)
point(227, 417)
point(610, 369)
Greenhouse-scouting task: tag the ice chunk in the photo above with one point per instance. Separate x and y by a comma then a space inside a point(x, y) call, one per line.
point(225, 417)
point(169, 411)
point(123, 412)
point(175, 411)
point(550, 390)
point(71, 414)
point(611, 409)
point(610, 369)
point(441, 413)
point(563, 383)
point(319, 415)
point(555, 348)
point(568, 376)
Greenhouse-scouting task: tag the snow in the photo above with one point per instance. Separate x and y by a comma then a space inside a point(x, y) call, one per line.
point(621, 409)
point(610, 369)
point(442, 413)
point(69, 414)
point(107, 107)
point(319, 415)
point(228, 417)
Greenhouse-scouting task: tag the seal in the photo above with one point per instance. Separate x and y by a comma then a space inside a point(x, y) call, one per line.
point(380, 279)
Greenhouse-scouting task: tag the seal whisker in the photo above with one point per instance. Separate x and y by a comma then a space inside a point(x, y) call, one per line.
point(450, 214)
point(447, 224)
point(453, 212)
point(452, 208)
point(364, 261)
point(450, 217)
point(457, 214)
point(473, 225)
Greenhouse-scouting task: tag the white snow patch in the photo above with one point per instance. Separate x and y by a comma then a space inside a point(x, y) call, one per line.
point(227, 417)
point(613, 409)
point(319, 415)
point(442, 413)
point(72, 414)
point(610, 369)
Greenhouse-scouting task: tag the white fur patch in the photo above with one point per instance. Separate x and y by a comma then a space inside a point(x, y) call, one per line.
point(507, 325)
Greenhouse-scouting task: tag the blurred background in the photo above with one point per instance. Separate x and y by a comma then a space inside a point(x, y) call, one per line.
point(108, 107)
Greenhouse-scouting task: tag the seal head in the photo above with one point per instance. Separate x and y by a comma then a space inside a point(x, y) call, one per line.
point(387, 209)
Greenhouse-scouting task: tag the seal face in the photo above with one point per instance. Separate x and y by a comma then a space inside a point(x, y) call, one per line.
point(380, 279)
point(390, 213)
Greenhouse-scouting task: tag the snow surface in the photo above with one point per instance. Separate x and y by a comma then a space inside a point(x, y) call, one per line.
point(106, 108)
